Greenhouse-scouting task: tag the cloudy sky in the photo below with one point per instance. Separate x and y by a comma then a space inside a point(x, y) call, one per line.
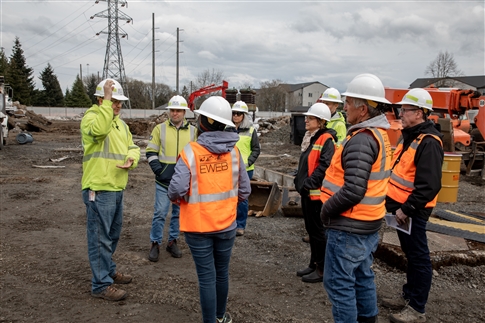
point(251, 41)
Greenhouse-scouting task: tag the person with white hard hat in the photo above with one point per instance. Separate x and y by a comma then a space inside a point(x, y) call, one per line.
point(109, 153)
point(166, 142)
point(412, 194)
point(353, 195)
point(317, 149)
point(331, 97)
point(210, 179)
point(248, 145)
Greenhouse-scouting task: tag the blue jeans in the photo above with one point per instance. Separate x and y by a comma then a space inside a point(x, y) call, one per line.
point(104, 222)
point(419, 270)
point(348, 278)
point(212, 253)
point(162, 205)
point(242, 209)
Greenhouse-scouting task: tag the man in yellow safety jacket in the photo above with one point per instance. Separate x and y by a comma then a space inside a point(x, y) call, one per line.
point(109, 152)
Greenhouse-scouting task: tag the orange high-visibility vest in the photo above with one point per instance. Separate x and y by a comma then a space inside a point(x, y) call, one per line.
point(401, 183)
point(314, 158)
point(372, 206)
point(211, 202)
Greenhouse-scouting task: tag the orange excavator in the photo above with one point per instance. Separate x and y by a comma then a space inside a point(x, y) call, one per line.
point(460, 114)
point(206, 90)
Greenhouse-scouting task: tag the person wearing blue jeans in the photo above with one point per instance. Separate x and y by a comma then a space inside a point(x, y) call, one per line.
point(248, 145)
point(210, 179)
point(353, 193)
point(109, 153)
point(162, 205)
point(212, 254)
point(166, 142)
point(348, 276)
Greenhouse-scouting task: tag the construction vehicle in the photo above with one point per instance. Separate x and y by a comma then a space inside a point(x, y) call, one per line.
point(206, 90)
point(452, 109)
point(6, 109)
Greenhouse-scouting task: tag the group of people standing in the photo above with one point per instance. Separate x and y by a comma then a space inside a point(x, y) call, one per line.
point(201, 172)
point(347, 178)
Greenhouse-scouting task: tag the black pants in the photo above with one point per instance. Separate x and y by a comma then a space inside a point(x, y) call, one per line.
point(314, 227)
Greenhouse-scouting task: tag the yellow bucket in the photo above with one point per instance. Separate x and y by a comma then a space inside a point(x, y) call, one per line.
point(450, 178)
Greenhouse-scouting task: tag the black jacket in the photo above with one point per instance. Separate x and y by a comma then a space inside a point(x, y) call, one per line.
point(302, 182)
point(427, 182)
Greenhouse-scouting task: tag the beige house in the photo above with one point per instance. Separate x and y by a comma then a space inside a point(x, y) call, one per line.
point(301, 96)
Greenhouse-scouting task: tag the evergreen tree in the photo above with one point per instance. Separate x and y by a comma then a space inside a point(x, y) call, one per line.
point(52, 93)
point(3, 63)
point(77, 96)
point(90, 83)
point(20, 75)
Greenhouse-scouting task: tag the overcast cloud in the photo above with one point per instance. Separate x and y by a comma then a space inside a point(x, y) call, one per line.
point(252, 41)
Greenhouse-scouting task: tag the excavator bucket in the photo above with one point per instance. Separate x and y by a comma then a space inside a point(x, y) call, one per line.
point(265, 197)
point(291, 202)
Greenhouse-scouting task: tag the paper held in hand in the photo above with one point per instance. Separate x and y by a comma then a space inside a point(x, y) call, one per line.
point(392, 222)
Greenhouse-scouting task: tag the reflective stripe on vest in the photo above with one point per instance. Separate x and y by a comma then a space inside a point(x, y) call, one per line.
point(183, 136)
point(211, 202)
point(372, 206)
point(313, 160)
point(401, 183)
point(106, 150)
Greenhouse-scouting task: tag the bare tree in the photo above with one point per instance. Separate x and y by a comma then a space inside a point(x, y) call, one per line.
point(208, 77)
point(271, 96)
point(443, 66)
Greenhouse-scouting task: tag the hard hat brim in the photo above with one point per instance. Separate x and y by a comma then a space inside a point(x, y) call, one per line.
point(366, 97)
point(120, 97)
point(215, 117)
point(414, 104)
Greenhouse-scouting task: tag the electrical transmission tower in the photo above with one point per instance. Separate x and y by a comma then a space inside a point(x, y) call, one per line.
point(113, 59)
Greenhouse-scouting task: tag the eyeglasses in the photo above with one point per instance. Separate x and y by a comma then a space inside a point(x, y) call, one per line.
point(237, 113)
point(114, 101)
point(403, 111)
point(310, 118)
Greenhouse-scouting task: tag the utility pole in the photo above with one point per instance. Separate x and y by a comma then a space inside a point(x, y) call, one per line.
point(177, 72)
point(113, 60)
point(153, 61)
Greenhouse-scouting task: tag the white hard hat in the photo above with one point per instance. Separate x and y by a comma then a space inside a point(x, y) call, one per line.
point(319, 110)
point(217, 108)
point(419, 98)
point(240, 106)
point(331, 95)
point(177, 102)
point(117, 90)
point(367, 87)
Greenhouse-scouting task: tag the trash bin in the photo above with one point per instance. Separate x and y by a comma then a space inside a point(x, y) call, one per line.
point(450, 178)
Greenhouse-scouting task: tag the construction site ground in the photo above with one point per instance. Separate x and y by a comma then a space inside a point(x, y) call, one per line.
point(45, 274)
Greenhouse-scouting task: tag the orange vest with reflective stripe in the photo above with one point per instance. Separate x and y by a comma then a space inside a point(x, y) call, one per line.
point(401, 183)
point(314, 159)
point(211, 202)
point(372, 206)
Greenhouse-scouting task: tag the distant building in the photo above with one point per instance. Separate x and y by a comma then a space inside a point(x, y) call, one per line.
point(476, 83)
point(301, 96)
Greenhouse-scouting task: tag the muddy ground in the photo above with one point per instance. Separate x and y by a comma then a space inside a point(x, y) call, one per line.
point(44, 269)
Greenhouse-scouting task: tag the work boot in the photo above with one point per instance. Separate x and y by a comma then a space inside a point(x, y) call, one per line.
point(408, 315)
point(315, 277)
point(226, 319)
point(239, 232)
point(305, 239)
point(154, 252)
point(306, 271)
point(111, 294)
point(394, 303)
point(174, 249)
point(120, 278)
